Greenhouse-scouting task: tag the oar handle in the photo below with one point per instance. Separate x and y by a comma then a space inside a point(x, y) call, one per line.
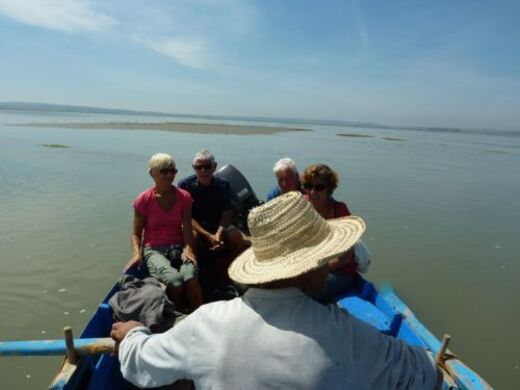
point(91, 346)
point(442, 350)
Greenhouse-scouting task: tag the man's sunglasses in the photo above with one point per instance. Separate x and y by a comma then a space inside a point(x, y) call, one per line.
point(200, 167)
point(165, 171)
point(317, 187)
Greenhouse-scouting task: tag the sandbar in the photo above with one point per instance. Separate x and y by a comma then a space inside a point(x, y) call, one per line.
point(59, 146)
point(395, 139)
point(178, 127)
point(355, 135)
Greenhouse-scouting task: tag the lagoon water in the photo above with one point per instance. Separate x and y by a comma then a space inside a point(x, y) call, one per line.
point(442, 211)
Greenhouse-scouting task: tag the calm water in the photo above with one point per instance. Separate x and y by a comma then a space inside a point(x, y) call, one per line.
point(442, 212)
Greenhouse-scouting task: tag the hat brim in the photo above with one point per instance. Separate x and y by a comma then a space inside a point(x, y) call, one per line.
point(344, 232)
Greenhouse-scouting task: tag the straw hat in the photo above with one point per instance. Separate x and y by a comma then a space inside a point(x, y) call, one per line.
point(290, 238)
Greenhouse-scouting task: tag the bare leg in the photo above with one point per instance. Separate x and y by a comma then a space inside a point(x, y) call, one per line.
point(193, 293)
point(176, 295)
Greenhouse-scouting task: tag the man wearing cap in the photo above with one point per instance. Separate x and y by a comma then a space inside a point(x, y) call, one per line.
point(276, 336)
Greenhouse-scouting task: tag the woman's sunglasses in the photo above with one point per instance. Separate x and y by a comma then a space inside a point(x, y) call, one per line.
point(317, 187)
point(165, 171)
point(200, 167)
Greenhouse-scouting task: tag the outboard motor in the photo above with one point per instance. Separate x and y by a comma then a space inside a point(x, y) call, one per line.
point(243, 199)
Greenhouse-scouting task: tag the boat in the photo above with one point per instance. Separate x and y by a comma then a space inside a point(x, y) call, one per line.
point(382, 309)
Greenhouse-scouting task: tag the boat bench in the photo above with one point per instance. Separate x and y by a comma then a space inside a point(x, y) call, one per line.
point(367, 312)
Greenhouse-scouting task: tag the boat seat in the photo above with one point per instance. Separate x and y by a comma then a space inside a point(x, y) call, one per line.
point(370, 314)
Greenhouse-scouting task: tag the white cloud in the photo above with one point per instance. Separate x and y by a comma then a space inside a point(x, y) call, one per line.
point(194, 33)
point(192, 53)
point(200, 34)
point(60, 15)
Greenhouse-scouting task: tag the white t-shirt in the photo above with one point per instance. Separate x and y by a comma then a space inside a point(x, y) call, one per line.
point(274, 339)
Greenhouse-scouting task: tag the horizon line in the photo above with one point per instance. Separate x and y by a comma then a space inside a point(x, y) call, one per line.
point(39, 106)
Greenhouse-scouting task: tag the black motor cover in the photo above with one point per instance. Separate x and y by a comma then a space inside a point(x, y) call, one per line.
point(244, 198)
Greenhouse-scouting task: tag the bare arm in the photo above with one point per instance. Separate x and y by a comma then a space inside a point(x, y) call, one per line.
point(214, 242)
point(120, 329)
point(199, 229)
point(225, 221)
point(187, 235)
point(136, 238)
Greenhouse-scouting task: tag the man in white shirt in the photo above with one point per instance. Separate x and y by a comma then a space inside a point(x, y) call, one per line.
point(275, 336)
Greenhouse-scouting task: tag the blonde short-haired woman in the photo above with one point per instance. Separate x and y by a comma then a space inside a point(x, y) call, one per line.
point(162, 235)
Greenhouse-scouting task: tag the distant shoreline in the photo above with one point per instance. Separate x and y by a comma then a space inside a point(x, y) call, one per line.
point(177, 127)
point(57, 108)
point(66, 108)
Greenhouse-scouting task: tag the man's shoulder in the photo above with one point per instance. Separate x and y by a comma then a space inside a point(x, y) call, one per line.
point(273, 193)
point(220, 181)
point(222, 186)
point(187, 182)
point(217, 311)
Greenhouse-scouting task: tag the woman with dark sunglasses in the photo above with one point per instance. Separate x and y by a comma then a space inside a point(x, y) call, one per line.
point(319, 183)
point(162, 235)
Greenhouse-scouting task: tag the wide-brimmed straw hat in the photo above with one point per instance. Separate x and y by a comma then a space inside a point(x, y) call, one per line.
point(290, 238)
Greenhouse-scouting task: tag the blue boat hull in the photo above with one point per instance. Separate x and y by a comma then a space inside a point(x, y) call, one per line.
point(381, 309)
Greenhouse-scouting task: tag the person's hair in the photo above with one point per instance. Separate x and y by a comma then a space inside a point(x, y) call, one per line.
point(159, 161)
point(204, 155)
point(321, 172)
point(284, 164)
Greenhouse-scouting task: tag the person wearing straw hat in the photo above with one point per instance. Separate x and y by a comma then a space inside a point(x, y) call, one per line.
point(276, 335)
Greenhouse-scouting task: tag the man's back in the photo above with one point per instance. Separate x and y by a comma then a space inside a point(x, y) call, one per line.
point(277, 339)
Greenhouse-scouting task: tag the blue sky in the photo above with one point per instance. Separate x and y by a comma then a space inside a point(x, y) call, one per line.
point(426, 63)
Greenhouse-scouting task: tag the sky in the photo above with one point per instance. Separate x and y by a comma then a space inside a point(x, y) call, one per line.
point(416, 63)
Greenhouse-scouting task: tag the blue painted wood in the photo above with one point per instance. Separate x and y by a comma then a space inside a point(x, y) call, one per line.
point(45, 347)
point(367, 312)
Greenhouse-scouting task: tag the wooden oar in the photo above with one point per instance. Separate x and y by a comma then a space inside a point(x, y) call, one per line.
point(94, 346)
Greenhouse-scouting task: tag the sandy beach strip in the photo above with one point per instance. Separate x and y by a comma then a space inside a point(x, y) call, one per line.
point(355, 135)
point(178, 127)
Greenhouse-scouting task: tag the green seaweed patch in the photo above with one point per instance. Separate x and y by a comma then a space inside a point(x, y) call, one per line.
point(355, 135)
point(395, 139)
point(55, 146)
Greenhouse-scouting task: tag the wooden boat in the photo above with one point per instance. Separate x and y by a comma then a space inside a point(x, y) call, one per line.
point(382, 309)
